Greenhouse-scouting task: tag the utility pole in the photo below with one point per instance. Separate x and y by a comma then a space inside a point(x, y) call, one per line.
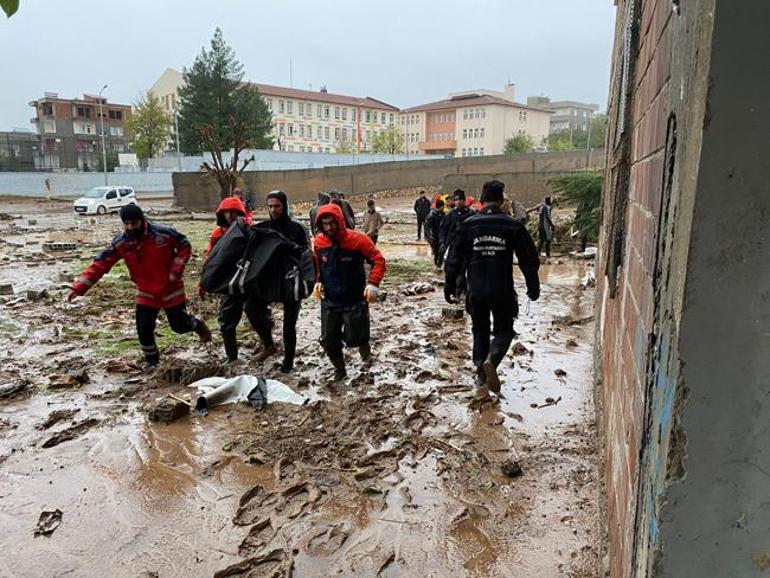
point(176, 131)
point(588, 142)
point(104, 150)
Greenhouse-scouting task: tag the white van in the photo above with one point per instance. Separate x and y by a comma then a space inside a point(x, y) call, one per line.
point(100, 200)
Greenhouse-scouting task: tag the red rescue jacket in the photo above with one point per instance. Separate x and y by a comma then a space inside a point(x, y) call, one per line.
point(151, 259)
point(341, 260)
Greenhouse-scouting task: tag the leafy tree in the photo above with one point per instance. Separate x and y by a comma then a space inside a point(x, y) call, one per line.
point(9, 7)
point(149, 126)
point(520, 143)
point(560, 143)
point(343, 147)
point(389, 141)
point(214, 96)
point(564, 140)
point(585, 191)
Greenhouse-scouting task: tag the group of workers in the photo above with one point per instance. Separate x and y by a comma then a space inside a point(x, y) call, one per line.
point(479, 245)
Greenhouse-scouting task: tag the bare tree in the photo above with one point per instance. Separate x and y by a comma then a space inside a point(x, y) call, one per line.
point(226, 173)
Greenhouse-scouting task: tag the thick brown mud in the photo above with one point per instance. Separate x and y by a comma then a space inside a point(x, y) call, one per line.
point(397, 471)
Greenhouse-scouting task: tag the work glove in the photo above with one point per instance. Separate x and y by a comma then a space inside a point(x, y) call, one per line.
point(318, 291)
point(371, 293)
point(449, 294)
point(533, 294)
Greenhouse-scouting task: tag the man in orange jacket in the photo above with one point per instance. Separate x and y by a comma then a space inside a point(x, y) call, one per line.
point(343, 287)
point(156, 256)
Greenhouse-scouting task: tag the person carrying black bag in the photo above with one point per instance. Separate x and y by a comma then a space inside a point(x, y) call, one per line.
point(281, 221)
point(484, 247)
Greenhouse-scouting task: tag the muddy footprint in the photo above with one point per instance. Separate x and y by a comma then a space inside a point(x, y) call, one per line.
point(326, 541)
point(275, 564)
point(258, 538)
point(252, 505)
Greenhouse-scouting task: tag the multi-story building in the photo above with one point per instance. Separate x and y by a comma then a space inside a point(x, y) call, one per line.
point(18, 149)
point(307, 120)
point(567, 114)
point(70, 131)
point(473, 123)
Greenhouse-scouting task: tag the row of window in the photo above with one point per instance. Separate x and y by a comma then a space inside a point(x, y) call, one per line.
point(321, 132)
point(474, 152)
point(325, 111)
point(473, 133)
point(413, 137)
point(410, 119)
point(442, 117)
point(522, 116)
point(441, 136)
point(469, 113)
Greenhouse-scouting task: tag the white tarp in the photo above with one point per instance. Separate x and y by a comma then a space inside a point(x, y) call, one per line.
point(222, 390)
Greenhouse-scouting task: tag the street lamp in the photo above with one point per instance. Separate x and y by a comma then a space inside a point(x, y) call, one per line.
point(104, 150)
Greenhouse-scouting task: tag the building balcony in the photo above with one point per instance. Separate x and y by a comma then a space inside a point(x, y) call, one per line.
point(438, 145)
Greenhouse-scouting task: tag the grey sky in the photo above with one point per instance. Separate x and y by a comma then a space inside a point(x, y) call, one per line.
point(403, 52)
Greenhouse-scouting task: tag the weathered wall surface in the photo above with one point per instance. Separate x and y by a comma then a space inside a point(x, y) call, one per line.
point(197, 191)
point(682, 382)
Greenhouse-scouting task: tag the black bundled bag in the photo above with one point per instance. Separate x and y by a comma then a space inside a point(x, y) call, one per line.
point(258, 262)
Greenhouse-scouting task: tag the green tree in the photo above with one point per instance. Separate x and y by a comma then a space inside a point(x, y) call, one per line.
point(389, 141)
point(584, 190)
point(149, 126)
point(564, 140)
point(520, 143)
point(214, 96)
point(9, 7)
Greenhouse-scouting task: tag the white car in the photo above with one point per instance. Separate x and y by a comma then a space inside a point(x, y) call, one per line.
point(101, 200)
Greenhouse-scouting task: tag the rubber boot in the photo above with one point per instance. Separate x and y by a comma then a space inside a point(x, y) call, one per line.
point(268, 350)
point(202, 330)
point(490, 371)
point(366, 352)
point(231, 346)
point(339, 368)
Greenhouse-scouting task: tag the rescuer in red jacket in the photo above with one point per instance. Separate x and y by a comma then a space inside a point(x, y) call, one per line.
point(156, 256)
point(343, 287)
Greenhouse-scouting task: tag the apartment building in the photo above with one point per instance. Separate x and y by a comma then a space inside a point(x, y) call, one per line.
point(567, 114)
point(307, 120)
point(472, 123)
point(70, 131)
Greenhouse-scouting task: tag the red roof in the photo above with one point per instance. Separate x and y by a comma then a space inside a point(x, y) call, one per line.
point(282, 91)
point(469, 100)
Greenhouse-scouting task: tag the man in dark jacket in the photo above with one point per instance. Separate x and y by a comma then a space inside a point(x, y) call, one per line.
point(347, 209)
point(156, 256)
point(484, 247)
point(433, 231)
point(448, 232)
point(343, 287)
point(278, 210)
point(422, 210)
point(323, 199)
point(544, 227)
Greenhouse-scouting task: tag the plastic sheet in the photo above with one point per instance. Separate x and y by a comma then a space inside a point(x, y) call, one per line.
point(221, 390)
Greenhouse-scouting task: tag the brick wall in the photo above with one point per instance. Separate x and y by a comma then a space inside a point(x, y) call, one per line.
point(636, 158)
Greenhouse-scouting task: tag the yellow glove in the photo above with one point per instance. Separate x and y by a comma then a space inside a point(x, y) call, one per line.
point(371, 293)
point(318, 291)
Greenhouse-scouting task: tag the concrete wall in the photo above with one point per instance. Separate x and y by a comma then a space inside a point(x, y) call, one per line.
point(197, 191)
point(683, 376)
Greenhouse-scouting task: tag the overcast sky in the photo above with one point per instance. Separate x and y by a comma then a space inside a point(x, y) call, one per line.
point(405, 52)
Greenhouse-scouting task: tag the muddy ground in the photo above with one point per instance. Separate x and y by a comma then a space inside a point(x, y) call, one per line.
point(402, 470)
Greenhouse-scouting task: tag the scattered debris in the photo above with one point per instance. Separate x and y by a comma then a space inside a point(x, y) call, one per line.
point(168, 410)
point(548, 401)
point(417, 288)
point(69, 380)
point(559, 372)
point(59, 246)
point(570, 320)
point(519, 349)
point(70, 433)
point(452, 312)
point(6, 288)
point(10, 389)
point(56, 416)
point(275, 564)
point(48, 522)
point(511, 468)
point(35, 294)
point(572, 343)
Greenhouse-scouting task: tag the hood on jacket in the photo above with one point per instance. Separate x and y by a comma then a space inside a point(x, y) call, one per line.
point(283, 199)
point(336, 212)
point(229, 204)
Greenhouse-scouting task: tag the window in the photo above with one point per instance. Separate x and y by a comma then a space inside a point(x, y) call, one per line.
point(319, 132)
point(465, 114)
point(301, 149)
point(290, 107)
point(344, 113)
point(113, 194)
point(269, 104)
point(48, 109)
point(326, 133)
point(344, 134)
point(326, 111)
point(465, 133)
point(481, 151)
point(382, 117)
point(352, 114)
point(281, 129)
point(125, 192)
point(49, 126)
point(281, 106)
point(290, 129)
point(116, 131)
point(463, 152)
point(84, 111)
point(326, 149)
point(319, 110)
point(310, 131)
point(481, 132)
point(301, 109)
point(115, 114)
point(337, 112)
point(336, 134)
point(290, 148)
point(391, 118)
point(475, 151)
point(301, 128)
point(475, 133)
point(368, 116)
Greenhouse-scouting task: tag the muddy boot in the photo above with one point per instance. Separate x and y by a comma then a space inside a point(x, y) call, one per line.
point(366, 352)
point(481, 379)
point(490, 372)
point(267, 351)
point(202, 330)
point(339, 368)
point(287, 366)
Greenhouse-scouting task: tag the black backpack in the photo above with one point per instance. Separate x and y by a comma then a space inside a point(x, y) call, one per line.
point(259, 262)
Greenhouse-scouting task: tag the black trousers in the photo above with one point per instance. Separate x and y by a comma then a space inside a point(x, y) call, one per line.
point(264, 326)
point(438, 256)
point(146, 320)
point(420, 225)
point(231, 308)
point(503, 313)
point(340, 326)
point(543, 241)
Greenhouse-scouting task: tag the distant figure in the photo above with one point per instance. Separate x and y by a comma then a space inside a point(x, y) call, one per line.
point(519, 212)
point(373, 221)
point(347, 210)
point(246, 202)
point(545, 228)
point(421, 209)
point(433, 232)
point(323, 199)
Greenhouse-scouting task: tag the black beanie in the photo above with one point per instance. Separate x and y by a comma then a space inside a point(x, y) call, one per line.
point(492, 191)
point(459, 194)
point(131, 213)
